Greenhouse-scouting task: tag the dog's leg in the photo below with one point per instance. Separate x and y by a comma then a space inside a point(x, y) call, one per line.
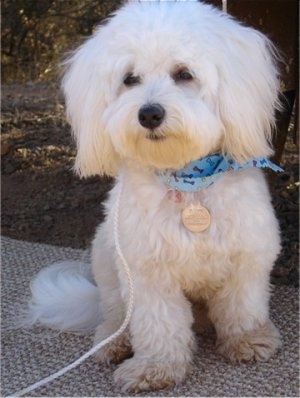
point(161, 336)
point(239, 311)
point(111, 304)
point(114, 313)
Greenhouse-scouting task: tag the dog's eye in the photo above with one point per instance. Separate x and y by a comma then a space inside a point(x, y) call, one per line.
point(182, 75)
point(131, 80)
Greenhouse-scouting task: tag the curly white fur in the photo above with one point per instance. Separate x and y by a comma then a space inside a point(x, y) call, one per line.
point(227, 105)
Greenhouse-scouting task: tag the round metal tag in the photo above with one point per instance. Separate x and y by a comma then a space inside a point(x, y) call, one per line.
point(195, 217)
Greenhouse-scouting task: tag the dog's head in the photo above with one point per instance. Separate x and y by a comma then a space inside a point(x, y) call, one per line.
point(164, 83)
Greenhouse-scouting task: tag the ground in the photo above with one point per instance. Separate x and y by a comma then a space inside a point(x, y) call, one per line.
point(44, 201)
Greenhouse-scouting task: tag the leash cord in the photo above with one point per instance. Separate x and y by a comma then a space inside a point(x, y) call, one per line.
point(114, 335)
point(224, 6)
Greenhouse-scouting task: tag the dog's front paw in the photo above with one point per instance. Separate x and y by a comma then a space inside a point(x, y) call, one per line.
point(258, 345)
point(137, 375)
point(116, 351)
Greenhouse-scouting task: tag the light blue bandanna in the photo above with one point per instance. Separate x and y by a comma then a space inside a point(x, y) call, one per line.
point(203, 172)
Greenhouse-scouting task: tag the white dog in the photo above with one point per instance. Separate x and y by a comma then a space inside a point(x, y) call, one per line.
point(177, 100)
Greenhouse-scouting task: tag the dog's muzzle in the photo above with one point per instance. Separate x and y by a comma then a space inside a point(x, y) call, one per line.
point(151, 115)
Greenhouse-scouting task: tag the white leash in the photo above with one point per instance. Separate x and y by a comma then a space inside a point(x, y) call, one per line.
point(224, 6)
point(114, 335)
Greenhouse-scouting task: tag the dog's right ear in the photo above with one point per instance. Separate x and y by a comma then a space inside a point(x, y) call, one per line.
point(86, 88)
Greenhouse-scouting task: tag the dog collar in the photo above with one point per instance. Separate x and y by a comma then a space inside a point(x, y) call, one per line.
point(203, 172)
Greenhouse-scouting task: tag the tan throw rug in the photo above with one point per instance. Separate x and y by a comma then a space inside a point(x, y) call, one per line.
point(28, 356)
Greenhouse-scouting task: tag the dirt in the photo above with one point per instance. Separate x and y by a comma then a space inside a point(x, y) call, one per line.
point(44, 201)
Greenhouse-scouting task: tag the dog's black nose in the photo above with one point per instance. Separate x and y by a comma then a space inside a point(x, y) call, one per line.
point(151, 115)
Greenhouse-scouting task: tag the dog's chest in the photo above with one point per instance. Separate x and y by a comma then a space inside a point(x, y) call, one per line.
point(155, 237)
point(162, 248)
point(156, 242)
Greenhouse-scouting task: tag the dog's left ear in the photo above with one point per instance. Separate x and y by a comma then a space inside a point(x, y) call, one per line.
point(87, 90)
point(248, 92)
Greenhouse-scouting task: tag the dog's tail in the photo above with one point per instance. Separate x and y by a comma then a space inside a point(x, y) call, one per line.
point(64, 297)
